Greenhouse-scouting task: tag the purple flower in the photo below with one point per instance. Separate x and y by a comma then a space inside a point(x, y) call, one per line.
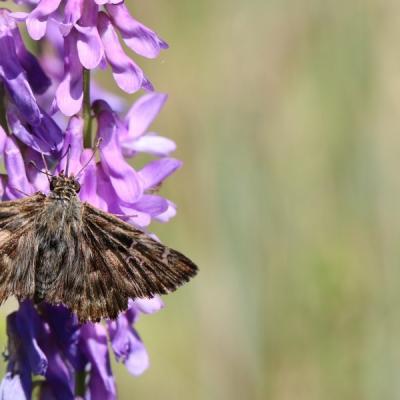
point(125, 340)
point(45, 339)
point(21, 75)
point(90, 40)
point(51, 343)
point(134, 136)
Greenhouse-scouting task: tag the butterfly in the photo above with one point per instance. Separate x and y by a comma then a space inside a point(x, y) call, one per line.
point(56, 249)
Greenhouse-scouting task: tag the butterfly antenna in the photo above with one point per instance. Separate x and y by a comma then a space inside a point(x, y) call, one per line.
point(96, 147)
point(20, 191)
point(68, 157)
point(47, 173)
point(45, 166)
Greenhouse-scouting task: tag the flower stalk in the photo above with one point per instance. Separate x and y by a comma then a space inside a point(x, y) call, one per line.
point(87, 111)
point(3, 118)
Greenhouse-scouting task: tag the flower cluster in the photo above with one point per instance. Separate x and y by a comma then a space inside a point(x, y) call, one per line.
point(47, 106)
point(89, 36)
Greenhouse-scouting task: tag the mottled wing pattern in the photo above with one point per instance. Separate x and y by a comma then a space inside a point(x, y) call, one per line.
point(17, 218)
point(121, 262)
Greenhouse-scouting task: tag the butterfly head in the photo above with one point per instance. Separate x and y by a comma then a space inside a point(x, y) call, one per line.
point(64, 186)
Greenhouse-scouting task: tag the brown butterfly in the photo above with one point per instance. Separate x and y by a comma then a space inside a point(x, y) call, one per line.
point(60, 250)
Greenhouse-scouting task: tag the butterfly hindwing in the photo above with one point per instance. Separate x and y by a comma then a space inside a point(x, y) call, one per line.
point(150, 267)
point(122, 262)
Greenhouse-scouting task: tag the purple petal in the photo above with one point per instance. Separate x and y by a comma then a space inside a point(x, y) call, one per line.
point(25, 136)
point(137, 36)
point(127, 346)
point(73, 145)
point(38, 180)
point(127, 74)
point(12, 388)
point(17, 365)
point(60, 383)
point(15, 166)
point(116, 102)
point(168, 214)
point(123, 177)
point(143, 112)
point(134, 216)
point(90, 47)
point(94, 345)
point(15, 79)
point(89, 181)
point(50, 132)
point(149, 306)
point(29, 324)
point(151, 204)
point(153, 173)
point(152, 144)
point(36, 22)
point(73, 11)
point(36, 76)
point(3, 138)
point(69, 94)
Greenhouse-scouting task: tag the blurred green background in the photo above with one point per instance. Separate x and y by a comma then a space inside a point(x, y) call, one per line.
point(287, 117)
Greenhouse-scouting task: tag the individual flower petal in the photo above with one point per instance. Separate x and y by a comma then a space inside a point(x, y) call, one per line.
point(90, 46)
point(151, 205)
point(72, 12)
point(15, 166)
point(168, 214)
point(73, 147)
point(135, 217)
point(26, 137)
point(151, 144)
point(60, 382)
point(127, 345)
point(69, 94)
point(148, 306)
point(36, 21)
point(94, 345)
point(143, 112)
point(127, 74)
point(153, 173)
point(105, 191)
point(137, 36)
point(38, 179)
point(14, 77)
point(28, 325)
point(12, 388)
point(35, 74)
point(89, 181)
point(123, 177)
point(116, 102)
point(3, 138)
point(18, 381)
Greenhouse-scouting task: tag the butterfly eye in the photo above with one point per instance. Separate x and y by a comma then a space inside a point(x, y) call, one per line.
point(77, 187)
point(53, 183)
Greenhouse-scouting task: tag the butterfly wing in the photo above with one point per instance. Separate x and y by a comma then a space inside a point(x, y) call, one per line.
point(121, 262)
point(17, 218)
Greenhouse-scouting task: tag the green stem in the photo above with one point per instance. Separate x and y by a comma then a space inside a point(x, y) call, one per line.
point(86, 110)
point(3, 118)
point(80, 384)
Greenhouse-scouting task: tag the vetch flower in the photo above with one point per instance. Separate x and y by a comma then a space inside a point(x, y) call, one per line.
point(73, 359)
point(134, 136)
point(51, 343)
point(90, 30)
